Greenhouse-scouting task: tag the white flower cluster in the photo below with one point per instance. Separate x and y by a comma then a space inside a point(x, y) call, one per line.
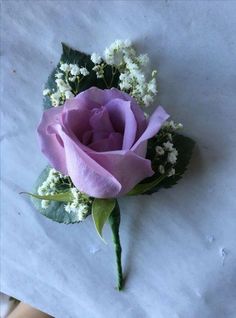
point(99, 65)
point(80, 204)
point(166, 148)
point(68, 75)
point(132, 80)
point(113, 54)
point(171, 126)
point(48, 187)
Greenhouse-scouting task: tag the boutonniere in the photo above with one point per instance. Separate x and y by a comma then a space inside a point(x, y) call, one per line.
point(100, 142)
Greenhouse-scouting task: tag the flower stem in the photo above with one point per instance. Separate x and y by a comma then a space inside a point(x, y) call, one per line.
point(114, 221)
point(113, 74)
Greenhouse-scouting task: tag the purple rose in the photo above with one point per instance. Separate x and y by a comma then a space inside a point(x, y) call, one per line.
point(99, 138)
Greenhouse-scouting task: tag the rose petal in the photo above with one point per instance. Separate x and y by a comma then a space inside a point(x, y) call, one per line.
point(100, 120)
point(155, 122)
point(120, 113)
point(127, 167)
point(87, 175)
point(111, 143)
point(95, 97)
point(50, 141)
point(76, 117)
point(137, 111)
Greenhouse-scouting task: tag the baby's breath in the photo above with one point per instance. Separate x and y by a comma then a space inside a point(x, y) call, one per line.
point(50, 185)
point(132, 68)
point(132, 71)
point(80, 205)
point(66, 79)
point(166, 153)
point(96, 59)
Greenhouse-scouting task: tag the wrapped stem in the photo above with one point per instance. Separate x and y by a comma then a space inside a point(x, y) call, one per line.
point(114, 220)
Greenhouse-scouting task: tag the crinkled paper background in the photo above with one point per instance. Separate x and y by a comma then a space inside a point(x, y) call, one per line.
point(179, 245)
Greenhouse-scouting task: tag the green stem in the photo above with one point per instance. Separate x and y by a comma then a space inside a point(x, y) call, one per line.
point(114, 220)
point(104, 80)
point(113, 74)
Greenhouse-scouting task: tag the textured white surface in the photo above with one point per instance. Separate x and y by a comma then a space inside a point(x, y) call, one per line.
point(179, 244)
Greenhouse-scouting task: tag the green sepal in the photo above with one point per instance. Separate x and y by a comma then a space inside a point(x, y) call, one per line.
point(101, 210)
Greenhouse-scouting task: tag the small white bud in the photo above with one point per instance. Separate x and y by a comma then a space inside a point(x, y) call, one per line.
point(172, 157)
point(154, 73)
point(168, 146)
point(171, 172)
point(74, 69)
point(84, 71)
point(45, 204)
point(65, 67)
point(68, 94)
point(96, 59)
point(46, 92)
point(72, 79)
point(161, 169)
point(55, 98)
point(159, 150)
point(59, 75)
point(179, 126)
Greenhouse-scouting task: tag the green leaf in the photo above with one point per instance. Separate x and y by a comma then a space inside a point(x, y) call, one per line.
point(101, 210)
point(55, 211)
point(60, 197)
point(185, 146)
point(72, 56)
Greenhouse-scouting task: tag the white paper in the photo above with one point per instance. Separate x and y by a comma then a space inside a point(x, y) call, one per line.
point(179, 245)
